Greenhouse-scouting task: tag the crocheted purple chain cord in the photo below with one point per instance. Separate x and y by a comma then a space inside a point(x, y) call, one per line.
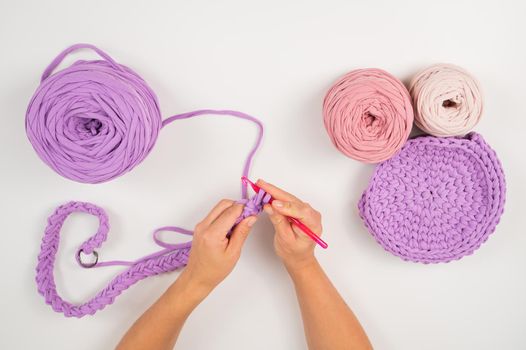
point(92, 122)
point(437, 200)
point(171, 257)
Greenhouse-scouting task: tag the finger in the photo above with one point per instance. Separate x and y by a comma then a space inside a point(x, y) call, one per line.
point(302, 236)
point(280, 222)
point(293, 209)
point(277, 192)
point(300, 211)
point(240, 234)
point(226, 220)
point(217, 210)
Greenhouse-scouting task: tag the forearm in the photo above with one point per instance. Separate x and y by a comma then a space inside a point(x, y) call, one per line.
point(160, 325)
point(329, 323)
point(211, 259)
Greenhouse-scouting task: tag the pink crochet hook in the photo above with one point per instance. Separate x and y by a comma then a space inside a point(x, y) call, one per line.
point(295, 221)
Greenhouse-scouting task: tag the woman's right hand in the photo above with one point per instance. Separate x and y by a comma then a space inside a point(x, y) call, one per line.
point(292, 245)
point(336, 327)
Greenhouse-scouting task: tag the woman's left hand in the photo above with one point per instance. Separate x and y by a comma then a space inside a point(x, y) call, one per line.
point(213, 255)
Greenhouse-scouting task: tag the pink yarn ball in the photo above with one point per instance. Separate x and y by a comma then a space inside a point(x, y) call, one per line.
point(447, 100)
point(368, 115)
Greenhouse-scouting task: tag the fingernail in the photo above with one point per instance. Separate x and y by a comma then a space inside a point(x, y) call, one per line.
point(277, 204)
point(268, 209)
point(251, 221)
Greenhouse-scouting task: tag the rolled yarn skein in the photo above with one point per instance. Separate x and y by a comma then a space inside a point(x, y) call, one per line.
point(368, 115)
point(95, 120)
point(92, 122)
point(447, 100)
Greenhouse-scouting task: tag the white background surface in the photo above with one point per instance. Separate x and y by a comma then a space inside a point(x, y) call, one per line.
point(275, 60)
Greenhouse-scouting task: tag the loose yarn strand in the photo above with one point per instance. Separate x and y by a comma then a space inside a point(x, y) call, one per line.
point(171, 257)
point(92, 122)
point(236, 114)
point(60, 57)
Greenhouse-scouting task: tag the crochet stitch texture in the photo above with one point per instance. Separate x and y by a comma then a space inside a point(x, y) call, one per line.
point(169, 258)
point(437, 200)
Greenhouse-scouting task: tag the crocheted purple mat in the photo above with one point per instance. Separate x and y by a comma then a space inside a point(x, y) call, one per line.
point(437, 200)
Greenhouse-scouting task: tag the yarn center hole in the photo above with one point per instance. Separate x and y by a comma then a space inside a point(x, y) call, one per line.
point(371, 121)
point(91, 125)
point(450, 104)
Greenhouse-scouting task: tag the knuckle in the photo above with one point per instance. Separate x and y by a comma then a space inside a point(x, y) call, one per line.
point(207, 239)
point(234, 253)
point(225, 201)
point(231, 211)
point(279, 220)
point(243, 229)
point(237, 208)
point(234, 256)
point(307, 210)
point(199, 226)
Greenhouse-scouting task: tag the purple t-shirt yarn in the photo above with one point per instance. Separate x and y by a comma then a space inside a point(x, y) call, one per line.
point(92, 122)
point(437, 200)
point(170, 257)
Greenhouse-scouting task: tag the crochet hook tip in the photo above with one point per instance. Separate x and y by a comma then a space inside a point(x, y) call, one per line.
point(298, 223)
point(246, 181)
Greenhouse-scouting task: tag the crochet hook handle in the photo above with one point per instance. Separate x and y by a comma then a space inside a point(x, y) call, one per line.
point(308, 232)
point(295, 221)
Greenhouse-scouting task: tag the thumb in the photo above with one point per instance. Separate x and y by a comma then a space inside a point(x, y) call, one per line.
point(280, 222)
point(240, 234)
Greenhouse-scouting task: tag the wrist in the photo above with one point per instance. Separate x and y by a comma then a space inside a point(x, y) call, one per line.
point(297, 266)
point(195, 285)
point(187, 291)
